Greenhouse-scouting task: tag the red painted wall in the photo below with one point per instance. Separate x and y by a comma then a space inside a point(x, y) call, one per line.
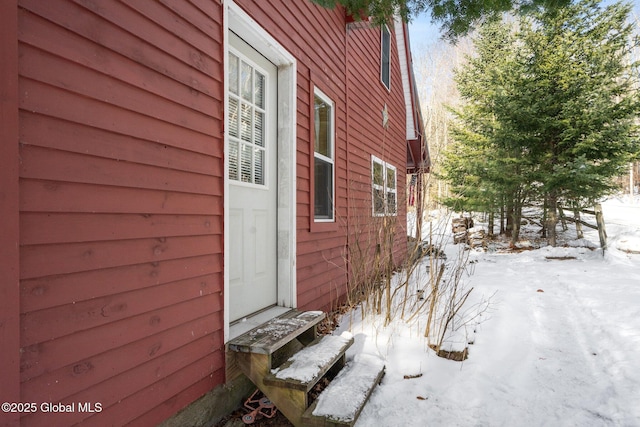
point(121, 207)
point(367, 97)
point(117, 198)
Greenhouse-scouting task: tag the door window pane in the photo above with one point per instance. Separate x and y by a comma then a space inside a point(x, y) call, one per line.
point(233, 73)
point(259, 90)
point(246, 123)
point(246, 81)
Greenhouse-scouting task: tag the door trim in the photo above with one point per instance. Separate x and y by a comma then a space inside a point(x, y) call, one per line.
point(238, 21)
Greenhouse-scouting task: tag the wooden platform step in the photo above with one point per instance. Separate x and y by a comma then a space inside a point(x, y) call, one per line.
point(342, 401)
point(305, 368)
point(277, 332)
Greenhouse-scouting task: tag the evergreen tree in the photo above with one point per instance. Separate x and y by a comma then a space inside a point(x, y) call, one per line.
point(574, 104)
point(553, 109)
point(457, 17)
point(485, 164)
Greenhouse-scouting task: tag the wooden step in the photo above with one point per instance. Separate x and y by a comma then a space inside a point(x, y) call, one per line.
point(305, 368)
point(342, 401)
point(278, 332)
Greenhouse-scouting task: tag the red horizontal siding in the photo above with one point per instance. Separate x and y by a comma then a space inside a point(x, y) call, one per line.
point(46, 356)
point(72, 379)
point(47, 260)
point(49, 132)
point(50, 228)
point(54, 165)
point(368, 137)
point(121, 198)
point(56, 196)
point(84, 315)
point(62, 104)
point(50, 291)
point(155, 381)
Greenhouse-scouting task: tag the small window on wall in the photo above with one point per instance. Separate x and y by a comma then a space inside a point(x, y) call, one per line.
point(385, 61)
point(323, 157)
point(384, 188)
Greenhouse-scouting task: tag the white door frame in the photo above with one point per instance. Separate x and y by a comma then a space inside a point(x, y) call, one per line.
point(238, 21)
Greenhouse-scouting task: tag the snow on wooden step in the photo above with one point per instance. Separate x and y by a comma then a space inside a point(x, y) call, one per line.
point(305, 365)
point(275, 333)
point(343, 399)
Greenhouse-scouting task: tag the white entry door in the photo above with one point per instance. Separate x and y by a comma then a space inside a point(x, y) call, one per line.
point(252, 166)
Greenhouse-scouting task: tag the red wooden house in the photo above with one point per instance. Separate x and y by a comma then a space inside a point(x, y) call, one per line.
point(170, 168)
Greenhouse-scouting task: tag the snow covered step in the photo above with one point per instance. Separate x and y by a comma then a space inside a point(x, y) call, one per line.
point(306, 367)
point(342, 401)
point(278, 332)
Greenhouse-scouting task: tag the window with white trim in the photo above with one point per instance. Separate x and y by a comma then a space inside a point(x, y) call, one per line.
point(323, 157)
point(385, 57)
point(384, 187)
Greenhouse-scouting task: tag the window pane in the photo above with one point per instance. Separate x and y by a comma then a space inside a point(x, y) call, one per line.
point(385, 63)
point(233, 160)
point(245, 163)
point(323, 189)
point(378, 177)
point(258, 129)
point(245, 122)
point(391, 203)
point(391, 178)
point(258, 168)
point(378, 201)
point(233, 117)
point(246, 81)
point(259, 90)
point(233, 73)
point(323, 130)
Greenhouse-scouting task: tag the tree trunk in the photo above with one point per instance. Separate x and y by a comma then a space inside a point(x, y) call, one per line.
point(515, 221)
point(491, 220)
point(509, 215)
point(543, 233)
point(552, 219)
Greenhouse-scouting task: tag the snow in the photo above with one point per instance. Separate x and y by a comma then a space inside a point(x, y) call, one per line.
point(344, 396)
point(305, 364)
point(554, 341)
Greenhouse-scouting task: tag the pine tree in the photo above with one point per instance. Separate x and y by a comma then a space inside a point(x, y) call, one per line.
point(553, 109)
point(485, 164)
point(457, 17)
point(574, 103)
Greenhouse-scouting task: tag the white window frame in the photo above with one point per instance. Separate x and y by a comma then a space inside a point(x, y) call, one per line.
point(384, 29)
point(331, 160)
point(386, 190)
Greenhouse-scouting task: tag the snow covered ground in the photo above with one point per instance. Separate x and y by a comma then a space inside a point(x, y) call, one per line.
point(559, 344)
